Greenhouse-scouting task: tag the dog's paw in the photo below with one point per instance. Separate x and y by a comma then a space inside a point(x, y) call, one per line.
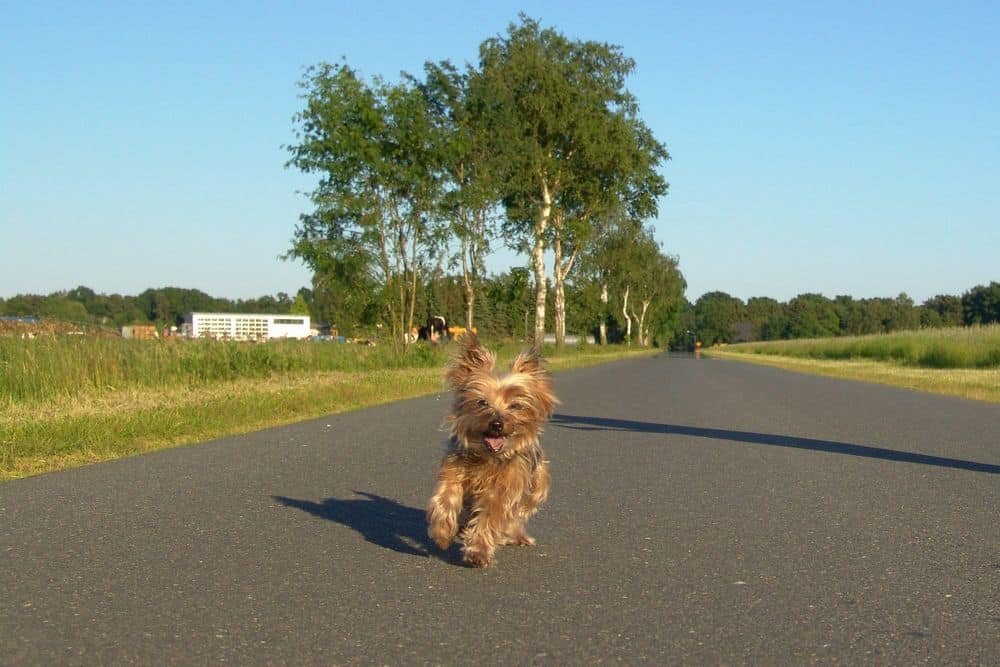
point(442, 534)
point(519, 539)
point(524, 540)
point(477, 558)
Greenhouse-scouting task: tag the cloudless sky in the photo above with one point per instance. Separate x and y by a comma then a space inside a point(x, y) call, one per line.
point(832, 147)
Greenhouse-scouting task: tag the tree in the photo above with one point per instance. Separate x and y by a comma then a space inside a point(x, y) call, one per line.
point(510, 303)
point(605, 264)
point(469, 198)
point(903, 316)
point(374, 148)
point(167, 305)
point(345, 294)
point(981, 304)
point(947, 308)
point(812, 316)
point(630, 274)
point(761, 310)
point(659, 294)
point(613, 171)
point(716, 314)
point(565, 141)
point(300, 306)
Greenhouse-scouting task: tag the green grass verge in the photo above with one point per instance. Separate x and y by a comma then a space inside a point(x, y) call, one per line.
point(949, 362)
point(105, 402)
point(966, 347)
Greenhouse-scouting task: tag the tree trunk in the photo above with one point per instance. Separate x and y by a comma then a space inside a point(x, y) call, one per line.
point(628, 320)
point(561, 272)
point(603, 326)
point(470, 292)
point(643, 334)
point(470, 304)
point(560, 305)
point(538, 256)
point(413, 290)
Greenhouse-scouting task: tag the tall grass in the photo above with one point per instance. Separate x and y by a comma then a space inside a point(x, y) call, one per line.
point(955, 348)
point(44, 368)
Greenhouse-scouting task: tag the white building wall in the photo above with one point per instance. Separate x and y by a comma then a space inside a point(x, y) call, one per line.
point(289, 326)
point(246, 326)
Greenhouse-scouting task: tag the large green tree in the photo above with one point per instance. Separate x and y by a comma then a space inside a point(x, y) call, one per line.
point(375, 149)
point(942, 310)
point(981, 304)
point(812, 316)
point(631, 277)
point(760, 310)
point(469, 196)
point(566, 141)
point(716, 315)
point(604, 263)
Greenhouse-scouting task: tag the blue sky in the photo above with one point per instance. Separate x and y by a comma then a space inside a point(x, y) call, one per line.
point(840, 148)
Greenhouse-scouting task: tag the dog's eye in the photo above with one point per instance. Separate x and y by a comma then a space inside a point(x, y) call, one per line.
point(482, 402)
point(516, 406)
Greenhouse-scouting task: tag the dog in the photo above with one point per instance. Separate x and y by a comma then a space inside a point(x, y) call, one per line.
point(494, 475)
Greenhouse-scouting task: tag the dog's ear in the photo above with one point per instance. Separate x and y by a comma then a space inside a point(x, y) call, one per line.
point(529, 362)
point(473, 358)
point(537, 381)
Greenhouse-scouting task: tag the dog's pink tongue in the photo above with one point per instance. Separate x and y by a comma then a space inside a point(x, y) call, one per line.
point(495, 444)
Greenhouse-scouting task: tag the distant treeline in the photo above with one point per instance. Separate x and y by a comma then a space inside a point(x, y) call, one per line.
point(718, 317)
point(164, 306)
point(506, 310)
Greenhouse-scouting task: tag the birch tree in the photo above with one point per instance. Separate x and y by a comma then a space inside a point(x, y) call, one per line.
point(469, 198)
point(635, 279)
point(373, 147)
point(568, 141)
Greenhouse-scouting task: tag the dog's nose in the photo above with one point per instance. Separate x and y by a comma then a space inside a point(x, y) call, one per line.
point(496, 427)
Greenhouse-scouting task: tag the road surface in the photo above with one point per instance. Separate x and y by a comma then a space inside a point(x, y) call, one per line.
point(702, 512)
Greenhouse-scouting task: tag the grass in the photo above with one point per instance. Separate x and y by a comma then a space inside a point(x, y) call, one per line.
point(967, 347)
point(958, 362)
point(50, 367)
point(65, 403)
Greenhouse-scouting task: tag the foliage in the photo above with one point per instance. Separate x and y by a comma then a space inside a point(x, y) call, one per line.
point(470, 196)
point(981, 304)
point(375, 149)
point(759, 311)
point(811, 316)
point(162, 306)
point(643, 286)
point(716, 316)
point(566, 142)
point(505, 306)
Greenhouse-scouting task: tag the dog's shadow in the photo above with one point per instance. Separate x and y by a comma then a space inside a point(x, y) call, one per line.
point(379, 520)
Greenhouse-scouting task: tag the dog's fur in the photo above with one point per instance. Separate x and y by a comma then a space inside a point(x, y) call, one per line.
point(494, 475)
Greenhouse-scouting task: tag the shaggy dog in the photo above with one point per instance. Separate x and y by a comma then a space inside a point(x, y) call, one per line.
point(494, 475)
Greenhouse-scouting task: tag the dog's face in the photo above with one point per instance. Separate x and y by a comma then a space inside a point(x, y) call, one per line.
point(498, 414)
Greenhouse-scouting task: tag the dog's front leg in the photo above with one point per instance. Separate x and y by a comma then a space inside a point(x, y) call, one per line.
point(492, 515)
point(482, 534)
point(444, 506)
point(537, 493)
point(540, 482)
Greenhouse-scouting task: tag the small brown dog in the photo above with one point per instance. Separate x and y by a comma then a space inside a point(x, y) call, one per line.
point(494, 476)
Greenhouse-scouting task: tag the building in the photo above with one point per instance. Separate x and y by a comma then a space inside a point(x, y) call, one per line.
point(245, 326)
point(139, 331)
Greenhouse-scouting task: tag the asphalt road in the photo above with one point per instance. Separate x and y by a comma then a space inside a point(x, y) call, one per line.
point(702, 512)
